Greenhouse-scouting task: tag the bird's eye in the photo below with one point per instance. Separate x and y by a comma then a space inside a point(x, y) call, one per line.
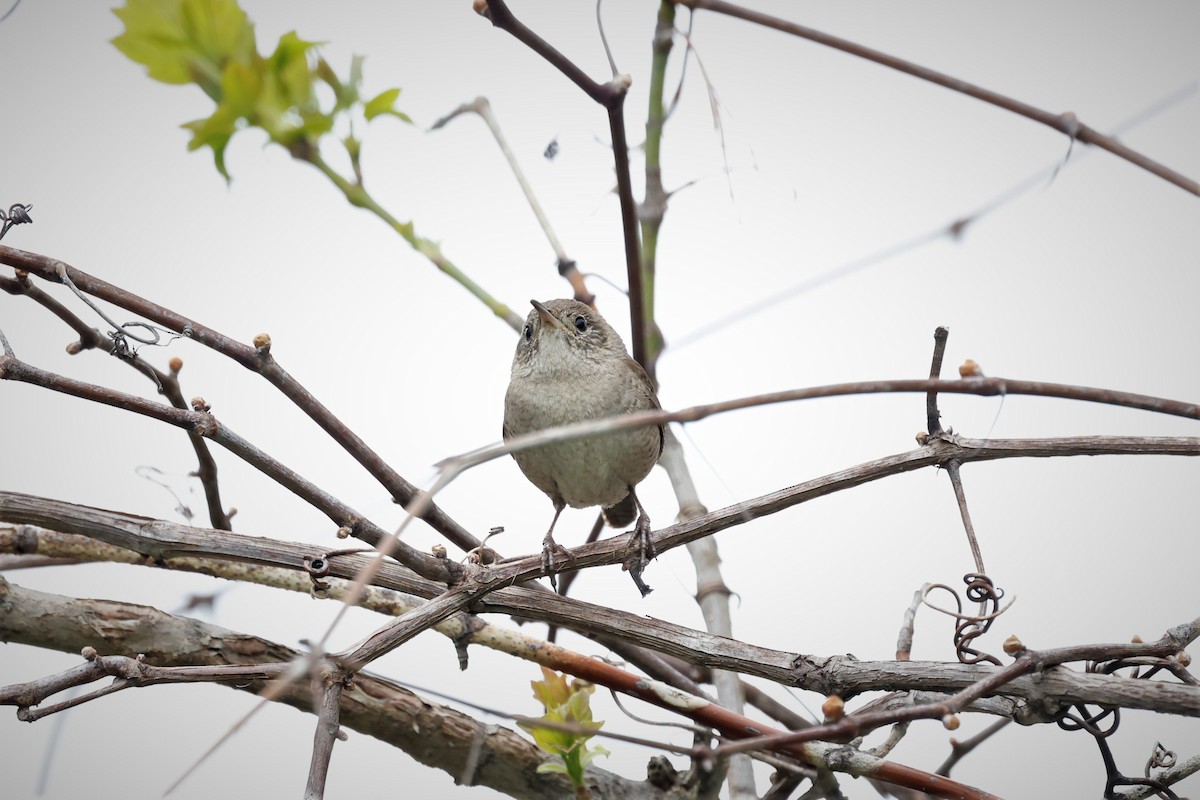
point(528, 332)
point(580, 324)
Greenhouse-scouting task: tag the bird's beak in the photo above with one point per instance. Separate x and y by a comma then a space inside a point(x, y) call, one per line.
point(547, 317)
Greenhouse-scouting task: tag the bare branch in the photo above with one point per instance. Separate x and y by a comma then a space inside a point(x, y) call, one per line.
point(958, 750)
point(256, 359)
point(166, 382)
point(328, 731)
point(372, 705)
point(1066, 123)
point(201, 422)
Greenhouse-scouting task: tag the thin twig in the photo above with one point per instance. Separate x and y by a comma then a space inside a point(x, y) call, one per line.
point(1066, 123)
point(481, 107)
point(952, 469)
point(954, 229)
point(958, 750)
point(328, 729)
point(904, 641)
point(933, 417)
point(611, 96)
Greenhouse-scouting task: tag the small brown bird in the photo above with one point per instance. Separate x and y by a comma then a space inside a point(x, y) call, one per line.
point(571, 366)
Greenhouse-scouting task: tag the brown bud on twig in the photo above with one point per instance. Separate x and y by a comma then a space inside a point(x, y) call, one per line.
point(1013, 645)
point(262, 343)
point(922, 438)
point(950, 721)
point(1184, 659)
point(480, 6)
point(969, 369)
point(89, 653)
point(834, 708)
point(344, 532)
point(200, 404)
point(439, 551)
point(175, 364)
point(1136, 639)
point(74, 348)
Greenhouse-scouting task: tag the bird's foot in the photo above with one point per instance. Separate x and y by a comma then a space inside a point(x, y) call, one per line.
point(550, 566)
point(643, 552)
point(481, 555)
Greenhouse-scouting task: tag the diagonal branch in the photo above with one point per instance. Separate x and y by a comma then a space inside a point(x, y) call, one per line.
point(434, 735)
point(1066, 123)
point(256, 359)
point(203, 423)
point(611, 96)
point(167, 383)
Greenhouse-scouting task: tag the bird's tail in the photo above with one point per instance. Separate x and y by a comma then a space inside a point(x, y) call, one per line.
point(622, 513)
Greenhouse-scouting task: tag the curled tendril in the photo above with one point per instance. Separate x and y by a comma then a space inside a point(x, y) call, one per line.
point(1086, 721)
point(121, 333)
point(981, 591)
point(1079, 717)
point(18, 213)
point(1160, 758)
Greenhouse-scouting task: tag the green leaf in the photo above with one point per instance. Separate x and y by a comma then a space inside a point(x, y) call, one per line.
point(288, 67)
point(214, 132)
point(340, 91)
point(552, 690)
point(218, 30)
point(185, 41)
point(154, 38)
point(383, 103)
point(589, 754)
point(241, 85)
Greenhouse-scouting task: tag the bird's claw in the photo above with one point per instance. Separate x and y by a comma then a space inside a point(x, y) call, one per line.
point(642, 555)
point(550, 548)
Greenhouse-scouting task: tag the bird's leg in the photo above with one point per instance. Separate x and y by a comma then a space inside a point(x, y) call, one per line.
point(644, 548)
point(550, 547)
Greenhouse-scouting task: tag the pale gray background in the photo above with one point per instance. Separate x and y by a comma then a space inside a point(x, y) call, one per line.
point(1091, 280)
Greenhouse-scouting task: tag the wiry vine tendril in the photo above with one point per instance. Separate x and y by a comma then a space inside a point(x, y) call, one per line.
point(18, 213)
point(983, 592)
point(1078, 717)
point(121, 334)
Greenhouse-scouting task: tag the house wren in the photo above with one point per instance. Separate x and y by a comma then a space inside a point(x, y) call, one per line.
point(571, 366)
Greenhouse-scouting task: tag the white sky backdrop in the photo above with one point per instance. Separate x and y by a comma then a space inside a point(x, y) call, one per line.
point(1091, 280)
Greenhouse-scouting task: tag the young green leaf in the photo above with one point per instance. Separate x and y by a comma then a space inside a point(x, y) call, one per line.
point(384, 103)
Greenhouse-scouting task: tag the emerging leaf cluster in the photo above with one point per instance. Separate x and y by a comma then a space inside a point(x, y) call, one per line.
point(211, 43)
point(566, 703)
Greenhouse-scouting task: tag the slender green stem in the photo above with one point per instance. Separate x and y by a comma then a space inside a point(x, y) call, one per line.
point(357, 194)
point(654, 205)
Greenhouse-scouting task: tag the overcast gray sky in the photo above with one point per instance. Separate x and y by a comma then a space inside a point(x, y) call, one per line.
point(821, 160)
